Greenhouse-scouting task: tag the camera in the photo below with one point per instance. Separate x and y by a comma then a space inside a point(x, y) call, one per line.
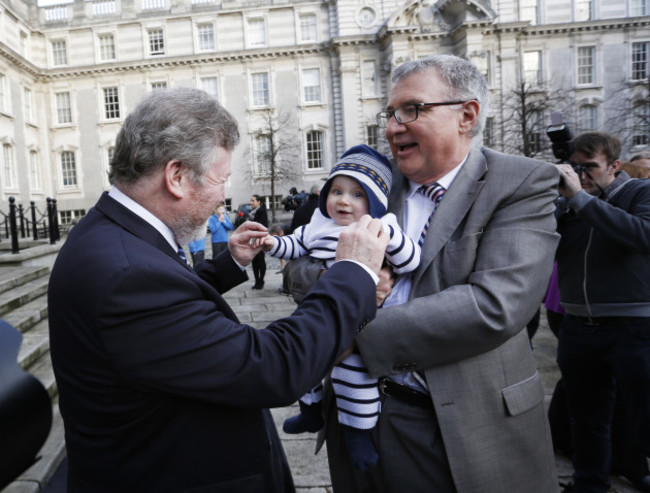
point(292, 201)
point(560, 134)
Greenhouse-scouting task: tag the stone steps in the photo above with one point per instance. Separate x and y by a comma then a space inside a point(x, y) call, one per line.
point(23, 304)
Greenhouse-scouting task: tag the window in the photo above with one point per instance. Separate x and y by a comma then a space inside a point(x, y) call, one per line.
point(534, 134)
point(256, 32)
point(583, 10)
point(260, 82)
point(532, 68)
point(29, 105)
point(588, 118)
point(59, 52)
point(369, 77)
point(372, 135)
point(111, 103)
point(641, 124)
point(308, 30)
point(311, 85)
point(211, 86)
point(156, 42)
point(106, 47)
point(68, 170)
point(488, 132)
point(206, 37)
point(263, 155)
point(314, 149)
point(158, 85)
point(639, 8)
point(3, 92)
point(8, 165)
point(528, 11)
point(586, 64)
point(34, 171)
point(640, 68)
point(67, 218)
point(63, 108)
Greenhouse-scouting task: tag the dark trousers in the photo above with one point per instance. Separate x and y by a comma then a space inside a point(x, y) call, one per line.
point(412, 456)
point(217, 248)
point(259, 266)
point(198, 257)
point(596, 361)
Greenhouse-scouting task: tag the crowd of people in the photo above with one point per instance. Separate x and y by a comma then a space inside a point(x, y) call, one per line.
point(163, 389)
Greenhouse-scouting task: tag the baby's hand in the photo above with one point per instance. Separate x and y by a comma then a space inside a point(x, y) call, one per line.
point(267, 243)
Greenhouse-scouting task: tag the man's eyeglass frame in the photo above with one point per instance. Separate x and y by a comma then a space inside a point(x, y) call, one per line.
point(383, 117)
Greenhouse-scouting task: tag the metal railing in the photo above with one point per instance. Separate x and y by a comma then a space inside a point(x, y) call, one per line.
point(21, 222)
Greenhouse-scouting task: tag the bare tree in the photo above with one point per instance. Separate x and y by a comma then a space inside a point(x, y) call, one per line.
point(276, 150)
point(527, 108)
point(628, 111)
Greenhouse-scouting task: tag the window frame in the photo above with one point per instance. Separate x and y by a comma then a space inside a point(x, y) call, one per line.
point(200, 37)
point(59, 50)
point(312, 94)
point(157, 45)
point(62, 110)
point(68, 170)
point(265, 91)
point(304, 27)
point(643, 66)
point(584, 77)
point(103, 47)
point(319, 158)
point(253, 38)
point(111, 107)
point(527, 72)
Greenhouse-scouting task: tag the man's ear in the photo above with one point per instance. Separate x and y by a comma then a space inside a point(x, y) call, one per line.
point(615, 166)
point(469, 116)
point(175, 178)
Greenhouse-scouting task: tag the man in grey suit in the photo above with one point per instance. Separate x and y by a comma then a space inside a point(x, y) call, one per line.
point(463, 408)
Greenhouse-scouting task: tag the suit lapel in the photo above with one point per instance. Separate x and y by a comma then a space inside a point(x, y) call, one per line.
point(137, 226)
point(451, 210)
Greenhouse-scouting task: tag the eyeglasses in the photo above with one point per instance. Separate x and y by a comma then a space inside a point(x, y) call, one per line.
point(409, 112)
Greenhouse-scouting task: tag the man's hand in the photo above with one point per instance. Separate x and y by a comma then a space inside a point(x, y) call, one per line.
point(385, 285)
point(363, 241)
point(569, 181)
point(243, 244)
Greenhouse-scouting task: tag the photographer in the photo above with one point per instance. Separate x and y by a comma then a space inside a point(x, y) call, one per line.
point(604, 340)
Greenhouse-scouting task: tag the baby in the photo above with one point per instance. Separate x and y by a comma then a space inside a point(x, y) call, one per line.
point(358, 184)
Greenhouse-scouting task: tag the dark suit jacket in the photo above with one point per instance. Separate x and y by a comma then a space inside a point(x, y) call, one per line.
point(161, 388)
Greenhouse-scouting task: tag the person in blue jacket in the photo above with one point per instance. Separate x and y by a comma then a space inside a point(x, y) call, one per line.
point(219, 225)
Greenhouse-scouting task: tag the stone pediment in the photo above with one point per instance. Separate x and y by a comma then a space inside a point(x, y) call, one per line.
point(443, 15)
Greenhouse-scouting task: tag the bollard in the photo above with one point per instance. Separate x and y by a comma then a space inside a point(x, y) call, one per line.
point(21, 217)
point(50, 221)
point(34, 226)
point(13, 230)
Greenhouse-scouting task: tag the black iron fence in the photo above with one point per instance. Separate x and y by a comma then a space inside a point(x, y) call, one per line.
point(31, 222)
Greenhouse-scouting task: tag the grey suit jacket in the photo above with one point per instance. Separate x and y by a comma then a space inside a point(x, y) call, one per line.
point(485, 267)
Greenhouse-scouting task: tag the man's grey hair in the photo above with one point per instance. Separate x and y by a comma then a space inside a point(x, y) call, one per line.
point(181, 124)
point(464, 81)
point(640, 155)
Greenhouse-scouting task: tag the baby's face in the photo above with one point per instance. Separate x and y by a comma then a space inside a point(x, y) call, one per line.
point(346, 201)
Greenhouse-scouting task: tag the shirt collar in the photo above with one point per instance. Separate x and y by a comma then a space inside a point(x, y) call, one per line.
point(116, 194)
point(444, 182)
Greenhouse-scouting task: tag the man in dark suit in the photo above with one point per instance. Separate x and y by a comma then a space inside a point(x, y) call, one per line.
point(464, 404)
point(161, 388)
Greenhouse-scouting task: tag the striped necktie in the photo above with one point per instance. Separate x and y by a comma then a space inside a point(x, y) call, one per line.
point(181, 254)
point(434, 192)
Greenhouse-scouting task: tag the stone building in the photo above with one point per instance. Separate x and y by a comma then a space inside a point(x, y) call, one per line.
point(304, 78)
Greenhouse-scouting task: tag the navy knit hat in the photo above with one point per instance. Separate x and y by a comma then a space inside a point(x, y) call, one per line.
point(373, 172)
